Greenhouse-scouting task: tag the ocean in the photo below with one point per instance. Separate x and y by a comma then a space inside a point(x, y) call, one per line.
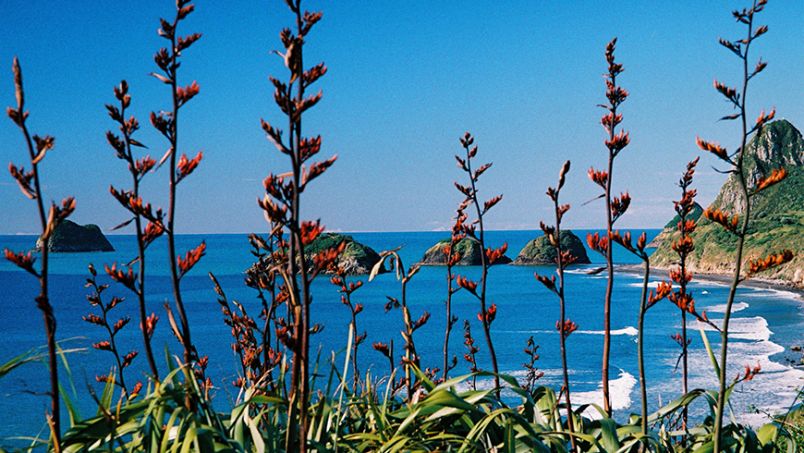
point(764, 323)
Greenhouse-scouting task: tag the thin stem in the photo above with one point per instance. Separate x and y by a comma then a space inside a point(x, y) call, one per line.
point(641, 348)
point(724, 334)
point(561, 300)
point(485, 271)
point(448, 328)
point(42, 300)
point(140, 292)
point(171, 238)
point(610, 280)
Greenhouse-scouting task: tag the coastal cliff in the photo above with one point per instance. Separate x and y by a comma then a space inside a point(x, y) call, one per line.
point(777, 213)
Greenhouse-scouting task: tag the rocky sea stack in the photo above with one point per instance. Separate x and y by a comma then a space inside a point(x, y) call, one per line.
point(777, 213)
point(70, 237)
point(470, 251)
point(356, 258)
point(540, 251)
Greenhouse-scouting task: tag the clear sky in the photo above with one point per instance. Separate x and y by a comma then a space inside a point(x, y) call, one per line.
point(406, 80)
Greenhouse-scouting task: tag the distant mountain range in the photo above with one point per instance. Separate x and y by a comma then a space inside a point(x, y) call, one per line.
point(777, 213)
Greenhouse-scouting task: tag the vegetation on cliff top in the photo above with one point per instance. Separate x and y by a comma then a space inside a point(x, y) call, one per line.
point(777, 213)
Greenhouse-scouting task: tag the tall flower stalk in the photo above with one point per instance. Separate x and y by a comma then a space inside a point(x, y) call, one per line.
point(132, 201)
point(112, 329)
point(282, 206)
point(738, 224)
point(29, 183)
point(167, 123)
point(615, 206)
point(564, 258)
point(488, 256)
point(680, 275)
point(452, 256)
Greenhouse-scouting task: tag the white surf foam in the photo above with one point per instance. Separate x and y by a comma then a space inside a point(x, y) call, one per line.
point(630, 331)
point(721, 308)
point(753, 328)
point(619, 391)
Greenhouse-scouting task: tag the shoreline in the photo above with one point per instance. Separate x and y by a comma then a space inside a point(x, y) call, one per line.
point(756, 283)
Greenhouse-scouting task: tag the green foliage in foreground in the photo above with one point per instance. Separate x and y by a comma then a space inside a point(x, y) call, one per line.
point(447, 416)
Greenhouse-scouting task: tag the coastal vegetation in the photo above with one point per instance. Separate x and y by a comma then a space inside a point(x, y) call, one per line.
point(288, 400)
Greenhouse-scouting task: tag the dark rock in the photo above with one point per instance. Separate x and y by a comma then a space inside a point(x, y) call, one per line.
point(540, 251)
point(70, 237)
point(356, 258)
point(470, 251)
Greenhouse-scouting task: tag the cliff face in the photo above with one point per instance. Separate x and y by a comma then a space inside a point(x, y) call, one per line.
point(777, 213)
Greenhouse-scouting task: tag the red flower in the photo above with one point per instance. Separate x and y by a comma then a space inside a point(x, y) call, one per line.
point(186, 166)
point(770, 261)
point(713, 148)
point(124, 278)
point(466, 284)
point(184, 94)
point(494, 255)
point(567, 328)
point(718, 216)
point(776, 176)
point(310, 231)
point(102, 346)
point(22, 260)
point(599, 177)
point(191, 258)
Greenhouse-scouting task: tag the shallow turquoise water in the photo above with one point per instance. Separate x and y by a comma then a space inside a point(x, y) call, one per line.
point(766, 320)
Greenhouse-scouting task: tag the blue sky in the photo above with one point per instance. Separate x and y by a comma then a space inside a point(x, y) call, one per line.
point(406, 80)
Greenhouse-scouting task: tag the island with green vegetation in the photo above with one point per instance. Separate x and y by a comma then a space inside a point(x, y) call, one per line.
point(540, 251)
point(468, 248)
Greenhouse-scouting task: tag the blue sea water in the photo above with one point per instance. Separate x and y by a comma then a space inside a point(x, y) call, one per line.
point(766, 323)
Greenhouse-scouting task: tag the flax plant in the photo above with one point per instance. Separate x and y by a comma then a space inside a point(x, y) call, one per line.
point(132, 201)
point(346, 289)
point(282, 207)
point(615, 206)
point(734, 223)
point(411, 358)
point(477, 231)
point(683, 247)
point(30, 184)
point(167, 59)
point(564, 258)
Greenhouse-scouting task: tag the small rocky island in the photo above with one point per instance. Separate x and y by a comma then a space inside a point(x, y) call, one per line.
point(357, 258)
point(540, 251)
point(70, 237)
point(470, 251)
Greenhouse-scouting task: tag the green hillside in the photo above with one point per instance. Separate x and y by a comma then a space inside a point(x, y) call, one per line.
point(777, 217)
